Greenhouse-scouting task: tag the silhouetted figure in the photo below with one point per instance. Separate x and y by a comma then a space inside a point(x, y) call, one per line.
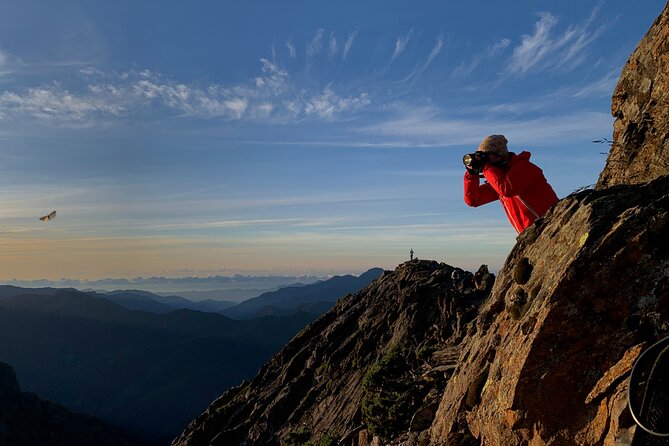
point(411, 254)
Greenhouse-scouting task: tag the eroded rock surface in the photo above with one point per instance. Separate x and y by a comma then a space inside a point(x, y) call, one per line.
point(315, 383)
point(640, 149)
point(555, 371)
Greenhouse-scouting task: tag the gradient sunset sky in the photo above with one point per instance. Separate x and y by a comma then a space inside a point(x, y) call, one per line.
point(287, 137)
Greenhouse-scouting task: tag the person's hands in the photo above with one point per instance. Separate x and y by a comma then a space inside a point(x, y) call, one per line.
point(471, 171)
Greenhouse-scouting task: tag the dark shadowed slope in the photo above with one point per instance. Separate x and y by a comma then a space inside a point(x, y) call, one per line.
point(144, 371)
point(26, 420)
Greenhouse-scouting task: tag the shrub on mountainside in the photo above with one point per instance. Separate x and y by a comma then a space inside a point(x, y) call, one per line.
point(300, 437)
point(390, 395)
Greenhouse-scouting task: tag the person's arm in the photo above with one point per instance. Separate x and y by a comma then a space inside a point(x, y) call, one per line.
point(477, 194)
point(514, 181)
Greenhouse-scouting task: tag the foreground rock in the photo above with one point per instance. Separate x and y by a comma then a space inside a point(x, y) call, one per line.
point(551, 358)
point(640, 149)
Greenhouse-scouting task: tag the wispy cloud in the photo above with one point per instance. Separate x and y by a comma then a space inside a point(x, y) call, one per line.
point(328, 104)
point(349, 44)
point(430, 125)
point(333, 45)
point(400, 45)
point(8, 63)
point(547, 48)
point(420, 69)
point(464, 69)
point(536, 47)
point(55, 105)
point(602, 87)
point(435, 50)
point(316, 45)
point(110, 97)
point(3, 58)
point(556, 100)
point(291, 49)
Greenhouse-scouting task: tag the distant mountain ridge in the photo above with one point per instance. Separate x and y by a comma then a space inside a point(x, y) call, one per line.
point(320, 295)
point(155, 303)
point(131, 359)
point(146, 372)
point(130, 299)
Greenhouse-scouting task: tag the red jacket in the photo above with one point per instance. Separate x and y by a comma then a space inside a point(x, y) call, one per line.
point(520, 186)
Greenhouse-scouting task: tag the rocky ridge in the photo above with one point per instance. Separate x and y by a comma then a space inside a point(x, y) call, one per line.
point(640, 148)
point(315, 385)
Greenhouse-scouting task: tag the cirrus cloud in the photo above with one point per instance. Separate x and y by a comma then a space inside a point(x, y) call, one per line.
point(270, 96)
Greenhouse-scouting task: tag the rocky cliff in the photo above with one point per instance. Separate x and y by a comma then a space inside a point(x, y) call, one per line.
point(26, 420)
point(640, 149)
point(579, 297)
point(425, 356)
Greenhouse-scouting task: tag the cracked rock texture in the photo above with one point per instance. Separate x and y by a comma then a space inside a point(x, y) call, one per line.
point(315, 382)
point(555, 372)
point(640, 149)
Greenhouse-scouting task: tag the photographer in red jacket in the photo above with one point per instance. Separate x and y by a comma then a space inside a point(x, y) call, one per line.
point(512, 179)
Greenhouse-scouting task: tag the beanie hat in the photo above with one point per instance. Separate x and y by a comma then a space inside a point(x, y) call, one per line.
point(494, 144)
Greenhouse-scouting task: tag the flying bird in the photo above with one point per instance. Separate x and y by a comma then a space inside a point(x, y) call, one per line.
point(51, 216)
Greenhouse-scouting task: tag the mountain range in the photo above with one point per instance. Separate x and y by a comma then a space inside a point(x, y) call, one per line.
point(140, 361)
point(313, 298)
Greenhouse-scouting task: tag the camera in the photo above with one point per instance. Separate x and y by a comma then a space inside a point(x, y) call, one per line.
point(475, 161)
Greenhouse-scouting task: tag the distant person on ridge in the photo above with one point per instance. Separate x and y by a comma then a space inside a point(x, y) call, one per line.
point(512, 179)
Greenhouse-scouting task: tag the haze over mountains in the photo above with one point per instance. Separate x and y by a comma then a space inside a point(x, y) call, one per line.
point(145, 362)
point(236, 287)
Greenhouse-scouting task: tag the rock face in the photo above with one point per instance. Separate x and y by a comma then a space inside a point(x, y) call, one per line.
point(554, 368)
point(640, 149)
point(26, 420)
point(314, 386)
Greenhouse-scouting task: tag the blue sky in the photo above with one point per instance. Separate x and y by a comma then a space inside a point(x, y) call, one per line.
point(268, 137)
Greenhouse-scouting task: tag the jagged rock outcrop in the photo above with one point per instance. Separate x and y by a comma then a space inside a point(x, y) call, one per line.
point(557, 340)
point(640, 149)
point(26, 420)
point(315, 384)
point(553, 368)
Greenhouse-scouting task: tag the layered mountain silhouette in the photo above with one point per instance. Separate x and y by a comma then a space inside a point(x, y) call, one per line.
point(143, 371)
point(146, 301)
point(314, 298)
point(131, 359)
